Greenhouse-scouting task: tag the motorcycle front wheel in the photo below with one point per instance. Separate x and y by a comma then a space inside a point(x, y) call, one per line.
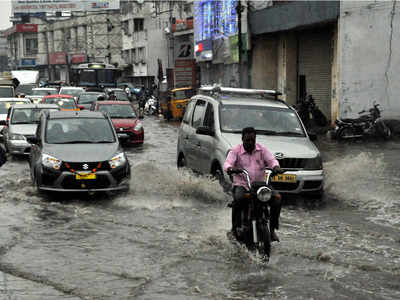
point(265, 240)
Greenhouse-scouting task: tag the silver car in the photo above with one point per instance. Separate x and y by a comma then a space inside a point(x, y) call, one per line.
point(38, 94)
point(213, 123)
point(21, 125)
point(5, 104)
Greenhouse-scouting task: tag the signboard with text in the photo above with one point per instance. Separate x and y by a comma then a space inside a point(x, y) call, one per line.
point(40, 6)
point(58, 58)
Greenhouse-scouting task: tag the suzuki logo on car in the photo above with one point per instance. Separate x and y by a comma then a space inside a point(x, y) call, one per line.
point(279, 155)
point(85, 166)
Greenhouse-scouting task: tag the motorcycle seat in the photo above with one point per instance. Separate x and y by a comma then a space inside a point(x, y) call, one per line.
point(358, 120)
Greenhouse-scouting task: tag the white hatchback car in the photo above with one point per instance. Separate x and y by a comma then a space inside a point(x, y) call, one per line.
point(213, 123)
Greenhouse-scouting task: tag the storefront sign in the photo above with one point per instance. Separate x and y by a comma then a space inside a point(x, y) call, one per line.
point(35, 6)
point(182, 24)
point(184, 73)
point(58, 58)
point(78, 58)
point(27, 62)
point(26, 28)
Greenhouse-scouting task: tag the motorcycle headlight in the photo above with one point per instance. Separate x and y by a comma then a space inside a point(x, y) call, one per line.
point(51, 162)
point(264, 194)
point(117, 161)
point(17, 137)
point(313, 163)
point(138, 127)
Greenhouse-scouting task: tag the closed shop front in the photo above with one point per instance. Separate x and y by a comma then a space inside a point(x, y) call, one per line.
point(315, 66)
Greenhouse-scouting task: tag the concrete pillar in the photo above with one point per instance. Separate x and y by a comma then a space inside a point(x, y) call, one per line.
point(335, 76)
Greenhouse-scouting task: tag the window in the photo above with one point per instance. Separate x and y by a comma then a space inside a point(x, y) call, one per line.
point(138, 25)
point(198, 113)
point(134, 56)
point(188, 112)
point(209, 117)
point(31, 46)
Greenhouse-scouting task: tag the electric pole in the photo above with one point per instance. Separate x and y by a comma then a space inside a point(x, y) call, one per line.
point(239, 10)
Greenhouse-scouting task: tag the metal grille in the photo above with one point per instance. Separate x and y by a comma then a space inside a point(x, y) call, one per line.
point(79, 166)
point(292, 163)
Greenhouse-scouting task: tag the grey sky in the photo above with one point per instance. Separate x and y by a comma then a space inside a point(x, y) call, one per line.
point(5, 12)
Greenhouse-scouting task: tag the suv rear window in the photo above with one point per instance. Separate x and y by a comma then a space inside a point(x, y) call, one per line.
point(265, 119)
point(79, 131)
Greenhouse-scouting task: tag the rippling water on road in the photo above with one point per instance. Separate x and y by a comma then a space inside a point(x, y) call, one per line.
point(166, 238)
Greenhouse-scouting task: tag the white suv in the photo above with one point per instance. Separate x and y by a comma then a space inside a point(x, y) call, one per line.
point(213, 123)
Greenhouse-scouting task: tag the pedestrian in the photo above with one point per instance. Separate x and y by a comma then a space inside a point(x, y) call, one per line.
point(3, 157)
point(128, 91)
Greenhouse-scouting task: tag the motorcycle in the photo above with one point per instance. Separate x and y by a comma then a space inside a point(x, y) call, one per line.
point(308, 110)
point(368, 124)
point(150, 106)
point(255, 231)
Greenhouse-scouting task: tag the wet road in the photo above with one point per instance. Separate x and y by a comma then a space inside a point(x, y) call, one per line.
point(166, 238)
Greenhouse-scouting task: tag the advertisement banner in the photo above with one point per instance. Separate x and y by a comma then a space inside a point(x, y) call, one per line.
point(58, 58)
point(40, 6)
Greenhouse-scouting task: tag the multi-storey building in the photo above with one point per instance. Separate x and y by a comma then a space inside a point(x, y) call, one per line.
point(153, 32)
point(3, 52)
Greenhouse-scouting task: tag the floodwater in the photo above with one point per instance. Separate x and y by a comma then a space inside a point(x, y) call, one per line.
point(166, 238)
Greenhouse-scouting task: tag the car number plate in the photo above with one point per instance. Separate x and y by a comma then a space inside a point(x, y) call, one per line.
point(284, 178)
point(85, 176)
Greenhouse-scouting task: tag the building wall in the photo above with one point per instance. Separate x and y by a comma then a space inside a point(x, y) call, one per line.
point(264, 70)
point(369, 39)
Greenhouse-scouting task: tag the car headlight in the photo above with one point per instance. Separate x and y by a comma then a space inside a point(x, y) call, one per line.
point(138, 127)
point(313, 163)
point(17, 137)
point(51, 162)
point(117, 161)
point(264, 194)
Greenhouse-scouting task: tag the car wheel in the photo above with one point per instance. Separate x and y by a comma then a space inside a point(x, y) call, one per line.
point(181, 163)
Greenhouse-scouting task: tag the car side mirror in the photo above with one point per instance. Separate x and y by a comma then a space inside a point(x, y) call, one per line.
point(3, 122)
point(204, 130)
point(313, 136)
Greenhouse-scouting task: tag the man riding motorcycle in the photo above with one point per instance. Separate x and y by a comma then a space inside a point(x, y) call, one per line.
point(254, 158)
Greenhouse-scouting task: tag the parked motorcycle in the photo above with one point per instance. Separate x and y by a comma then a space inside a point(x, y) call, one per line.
point(150, 106)
point(308, 110)
point(370, 123)
point(255, 230)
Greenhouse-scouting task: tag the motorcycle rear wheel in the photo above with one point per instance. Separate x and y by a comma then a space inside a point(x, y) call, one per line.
point(265, 240)
point(345, 133)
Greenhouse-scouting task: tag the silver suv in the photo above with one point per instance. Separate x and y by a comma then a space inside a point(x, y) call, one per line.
point(213, 123)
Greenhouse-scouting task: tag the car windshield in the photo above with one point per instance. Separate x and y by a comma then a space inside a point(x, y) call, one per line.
point(65, 103)
point(72, 92)
point(79, 131)
point(27, 115)
point(266, 120)
point(88, 98)
point(44, 92)
point(120, 95)
point(118, 111)
point(5, 105)
point(184, 94)
point(25, 88)
point(6, 91)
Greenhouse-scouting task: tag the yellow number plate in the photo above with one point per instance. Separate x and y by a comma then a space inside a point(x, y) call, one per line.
point(85, 176)
point(284, 178)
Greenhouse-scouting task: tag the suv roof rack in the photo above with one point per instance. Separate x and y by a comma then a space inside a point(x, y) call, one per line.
point(216, 89)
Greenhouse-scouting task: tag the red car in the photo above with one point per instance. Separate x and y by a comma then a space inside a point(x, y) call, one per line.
point(65, 102)
point(124, 117)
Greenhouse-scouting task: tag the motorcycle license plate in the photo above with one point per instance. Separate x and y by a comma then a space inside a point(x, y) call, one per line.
point(284, 178)
point(85, 176)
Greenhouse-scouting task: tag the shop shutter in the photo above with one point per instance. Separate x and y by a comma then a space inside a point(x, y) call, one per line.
point(315, 57)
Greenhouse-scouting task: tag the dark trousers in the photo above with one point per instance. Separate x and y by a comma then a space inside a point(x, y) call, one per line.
point(239, 204)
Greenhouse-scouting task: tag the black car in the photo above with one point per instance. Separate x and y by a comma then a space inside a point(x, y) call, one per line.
point(77, 151)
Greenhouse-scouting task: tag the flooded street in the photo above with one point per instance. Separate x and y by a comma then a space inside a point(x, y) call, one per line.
point(166, 238)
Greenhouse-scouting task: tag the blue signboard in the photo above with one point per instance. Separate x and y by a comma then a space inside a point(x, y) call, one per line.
point(28, 62)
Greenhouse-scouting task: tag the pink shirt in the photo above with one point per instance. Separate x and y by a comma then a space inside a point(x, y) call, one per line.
point(254, 163)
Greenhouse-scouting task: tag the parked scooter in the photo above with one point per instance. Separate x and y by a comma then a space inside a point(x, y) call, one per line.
point(370, 123)
point(308, 110)
point(255, 230)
